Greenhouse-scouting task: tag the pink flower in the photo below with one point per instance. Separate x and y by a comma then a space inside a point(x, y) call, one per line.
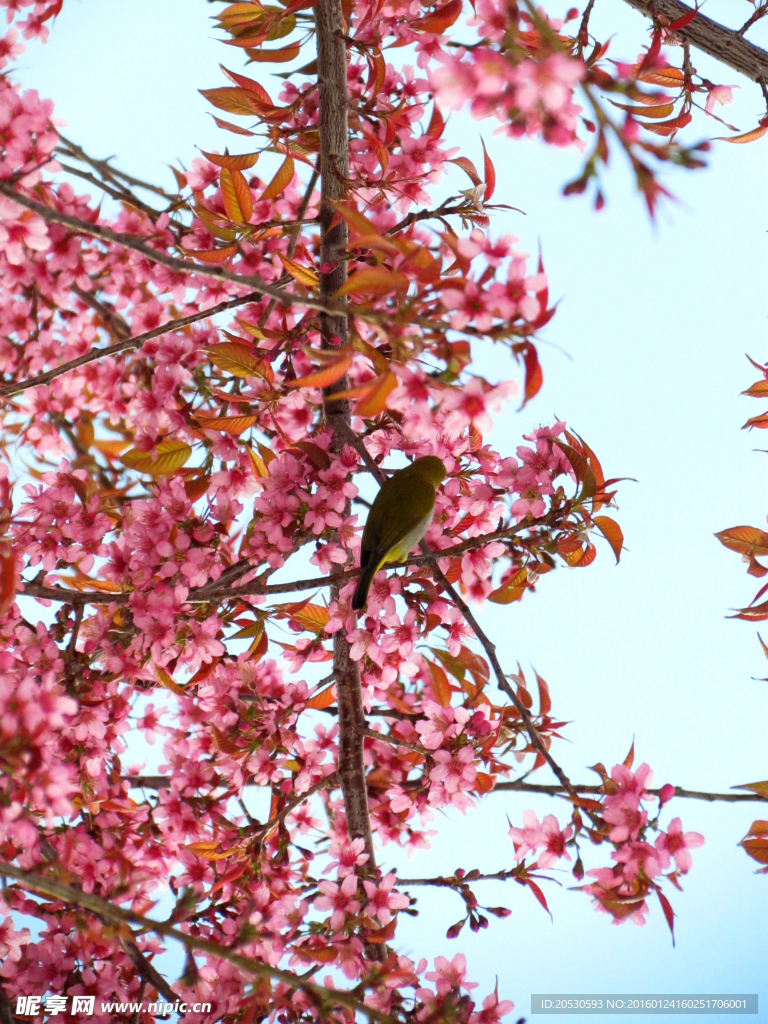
point(449, 975)
point(381, 900)
point(722, 94)
point(492, 1010)
point(338, 898)
point(676, 843)
point(454, 771)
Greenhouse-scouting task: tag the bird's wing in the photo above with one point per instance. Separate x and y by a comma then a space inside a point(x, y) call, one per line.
point(402, 489)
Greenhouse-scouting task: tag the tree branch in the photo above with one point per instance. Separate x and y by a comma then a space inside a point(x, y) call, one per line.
point(334, 238)
point(126, 344)
point(209, 592)
point(501, 680)
point(134, 243)
point(323, 997)
point(521, 786)
point(726, 45)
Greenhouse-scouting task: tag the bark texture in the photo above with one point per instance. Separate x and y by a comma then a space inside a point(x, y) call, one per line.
point(334, 173)
point(722, 43)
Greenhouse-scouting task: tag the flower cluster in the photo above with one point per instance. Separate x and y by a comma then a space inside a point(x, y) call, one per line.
point(620, 819)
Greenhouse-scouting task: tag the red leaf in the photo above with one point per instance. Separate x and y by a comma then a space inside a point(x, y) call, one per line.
point(682, 22)
point(490, 175)
point(538, 894)
point(669, 913)
point(533, 375)
point(469, 169)
point(436, 124)
point(545, 703)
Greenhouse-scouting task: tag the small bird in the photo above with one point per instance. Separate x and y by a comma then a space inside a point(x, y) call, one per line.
point(398, 519)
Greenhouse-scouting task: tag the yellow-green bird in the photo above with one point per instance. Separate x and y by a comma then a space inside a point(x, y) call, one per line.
point(398, 519)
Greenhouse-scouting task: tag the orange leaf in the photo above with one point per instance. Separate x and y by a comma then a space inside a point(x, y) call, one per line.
point(761, 422)
point(232, 162)
point(170, 455)
point(224, 744)
point(181, 179)
point(744, 539)
point(484, 782)
point(669, 127)
point(668, 77)
point(313, 617)
point(436, 124)
point(533, 375)
point(512, 590)
point(756, 133)
point(324, 699)
point(258, 648)
point(234, 101)
point(233, 425)
point(281, 180)
point(230, 196)
point(285, 53)
point(659, 110)
point(211, 255)
point(196, 487)
point(325, 377)
point(301, 274)
point(758, 390)
point(440, 19)
point(228, 126)
point(376, 402)
point(756, 848)
point(441, 688)
point(612, 533)
point(490, 175)
point(249, 86)
point(239, 360)
point(258, 468)
point(167, 681)
point(545, 702)
point(761, 788)
point(582, 557)
point(373, 281)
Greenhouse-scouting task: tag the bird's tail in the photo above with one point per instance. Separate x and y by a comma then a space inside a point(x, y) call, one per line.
point(367, 572)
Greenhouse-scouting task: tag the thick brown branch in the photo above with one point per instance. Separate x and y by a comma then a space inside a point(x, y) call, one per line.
point(323, 997)
point(726, 45)
point(135, 244)
point(334, 237)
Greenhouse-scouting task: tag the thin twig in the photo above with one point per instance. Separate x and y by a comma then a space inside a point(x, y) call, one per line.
point(686, 794)
point(113, 322)
point(490, 649)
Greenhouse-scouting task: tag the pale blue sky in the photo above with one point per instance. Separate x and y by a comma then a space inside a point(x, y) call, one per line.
point(655, 322)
